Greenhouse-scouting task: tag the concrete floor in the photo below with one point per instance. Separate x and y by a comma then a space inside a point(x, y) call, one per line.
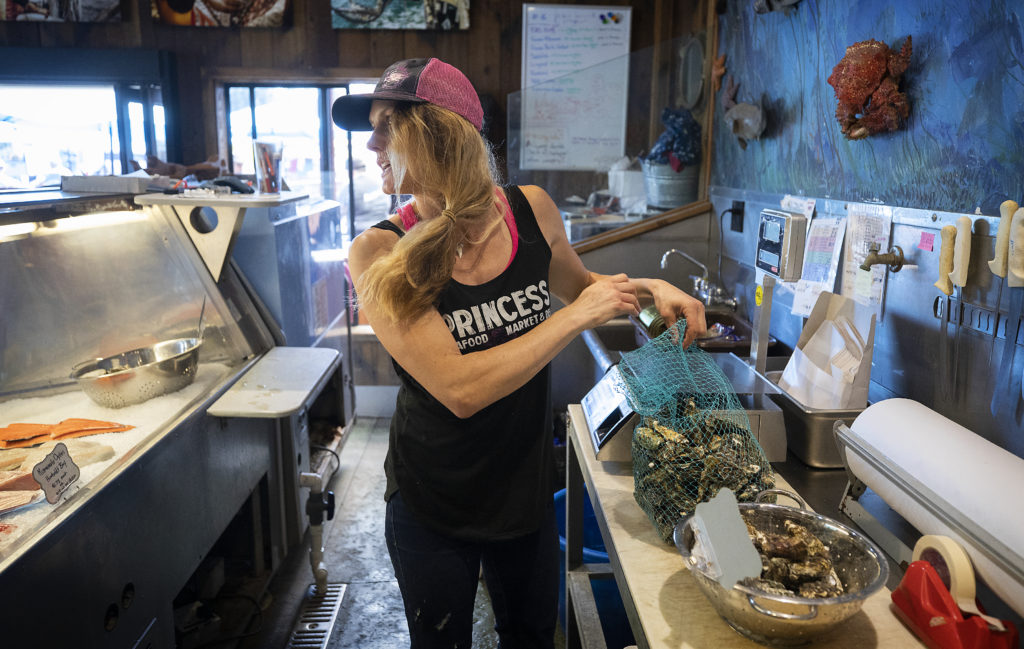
point(371, 615)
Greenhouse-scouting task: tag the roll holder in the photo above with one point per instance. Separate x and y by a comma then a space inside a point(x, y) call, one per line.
point(977, 539)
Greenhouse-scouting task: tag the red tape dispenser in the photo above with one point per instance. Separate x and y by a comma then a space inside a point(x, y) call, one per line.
point(936, 599)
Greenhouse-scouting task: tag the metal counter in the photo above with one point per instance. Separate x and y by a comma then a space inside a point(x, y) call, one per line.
point(663, 602)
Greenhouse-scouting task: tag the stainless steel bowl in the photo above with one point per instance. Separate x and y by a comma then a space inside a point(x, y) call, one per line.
point(140, 374)
point(784, 620)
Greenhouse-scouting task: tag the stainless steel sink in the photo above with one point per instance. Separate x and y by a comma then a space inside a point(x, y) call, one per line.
point(727, 332)
point(608, 341)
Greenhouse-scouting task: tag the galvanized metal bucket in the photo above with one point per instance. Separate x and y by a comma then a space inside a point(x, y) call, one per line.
point(667, 189)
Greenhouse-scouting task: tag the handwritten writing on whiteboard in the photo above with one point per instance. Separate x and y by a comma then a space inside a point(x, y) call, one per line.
point(575, 79)
point(563, 39)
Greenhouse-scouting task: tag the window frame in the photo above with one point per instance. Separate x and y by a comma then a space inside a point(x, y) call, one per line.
point(327, 132)
point(144, 69)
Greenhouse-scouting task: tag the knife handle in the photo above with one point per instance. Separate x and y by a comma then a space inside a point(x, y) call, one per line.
point(998, 263)
point(948, 233)
point(961, 251)
point(1015, 251)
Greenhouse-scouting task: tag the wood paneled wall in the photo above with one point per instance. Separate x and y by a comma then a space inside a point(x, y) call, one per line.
point(489, 52)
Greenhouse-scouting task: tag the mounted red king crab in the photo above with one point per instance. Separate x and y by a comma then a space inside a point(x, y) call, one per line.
point(866, 82)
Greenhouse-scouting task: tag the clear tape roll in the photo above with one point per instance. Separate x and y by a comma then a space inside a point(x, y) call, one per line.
point(950, 560)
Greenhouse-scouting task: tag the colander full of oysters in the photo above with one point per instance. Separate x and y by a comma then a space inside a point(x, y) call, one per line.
point(816, 573)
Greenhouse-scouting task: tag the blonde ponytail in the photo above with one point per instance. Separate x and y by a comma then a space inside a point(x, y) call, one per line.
point(440, 157)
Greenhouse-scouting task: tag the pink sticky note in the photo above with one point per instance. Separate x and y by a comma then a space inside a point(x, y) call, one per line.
point(927, 241)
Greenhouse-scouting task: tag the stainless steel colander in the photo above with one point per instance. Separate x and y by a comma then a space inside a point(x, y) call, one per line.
point(140, 374)
point(783, 620)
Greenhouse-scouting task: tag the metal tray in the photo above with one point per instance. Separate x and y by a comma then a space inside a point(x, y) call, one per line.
point(809, 430)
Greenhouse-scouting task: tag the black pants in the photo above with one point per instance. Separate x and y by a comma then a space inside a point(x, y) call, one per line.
point(438, 579)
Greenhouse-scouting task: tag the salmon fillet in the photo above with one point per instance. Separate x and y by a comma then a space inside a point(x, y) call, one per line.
point(22, 443)
point(81, 427)
point(16, 432)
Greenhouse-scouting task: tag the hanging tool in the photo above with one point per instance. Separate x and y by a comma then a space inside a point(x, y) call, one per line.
point(961, 266)
point(948, 233)
point(1002, 391)
point(998, 263)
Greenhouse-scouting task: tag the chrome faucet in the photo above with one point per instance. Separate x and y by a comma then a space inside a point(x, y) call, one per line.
point(703, 289)
point(664, 262)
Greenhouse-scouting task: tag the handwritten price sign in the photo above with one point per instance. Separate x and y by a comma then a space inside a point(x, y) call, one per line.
point(56, 472)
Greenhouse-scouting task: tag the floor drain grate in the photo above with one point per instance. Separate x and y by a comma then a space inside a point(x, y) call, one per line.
point(316, 619)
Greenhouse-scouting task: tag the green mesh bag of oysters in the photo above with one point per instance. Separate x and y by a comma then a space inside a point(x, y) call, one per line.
point(694, 436)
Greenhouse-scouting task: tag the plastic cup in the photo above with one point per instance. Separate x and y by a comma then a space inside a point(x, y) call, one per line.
point(268, 165)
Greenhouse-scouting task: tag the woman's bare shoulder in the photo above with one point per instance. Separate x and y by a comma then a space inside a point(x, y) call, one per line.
point(372, 243)
point(534, 193)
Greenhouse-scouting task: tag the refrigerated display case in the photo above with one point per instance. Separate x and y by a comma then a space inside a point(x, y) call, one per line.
point(106, 559)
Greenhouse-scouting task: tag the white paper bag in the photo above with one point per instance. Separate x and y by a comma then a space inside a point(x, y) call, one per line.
point(627, 185)
point(831, 365)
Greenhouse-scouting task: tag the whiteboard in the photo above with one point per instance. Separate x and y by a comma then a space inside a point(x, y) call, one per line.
point(575, 84)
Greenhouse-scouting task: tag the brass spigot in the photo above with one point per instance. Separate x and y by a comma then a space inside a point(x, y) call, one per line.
point(893, 259)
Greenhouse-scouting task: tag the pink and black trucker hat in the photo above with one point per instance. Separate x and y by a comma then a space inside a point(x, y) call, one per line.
point(416, 80)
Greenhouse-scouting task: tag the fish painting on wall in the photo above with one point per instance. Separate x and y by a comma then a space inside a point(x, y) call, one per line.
point(443, 15)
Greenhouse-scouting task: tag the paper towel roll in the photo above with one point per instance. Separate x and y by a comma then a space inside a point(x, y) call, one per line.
point(982, 482)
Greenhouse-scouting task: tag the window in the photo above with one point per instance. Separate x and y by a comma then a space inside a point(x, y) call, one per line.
point(48, 131)
point(147, 132)
point(318, 158)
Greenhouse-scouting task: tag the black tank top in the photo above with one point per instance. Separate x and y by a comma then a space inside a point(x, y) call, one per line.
point(489, 476)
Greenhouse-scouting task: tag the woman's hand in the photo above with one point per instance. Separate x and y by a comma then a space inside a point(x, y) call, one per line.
point(605, 298)
point(673, 304)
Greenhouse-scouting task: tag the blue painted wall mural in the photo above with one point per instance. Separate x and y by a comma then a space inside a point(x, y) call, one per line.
point(962, 147)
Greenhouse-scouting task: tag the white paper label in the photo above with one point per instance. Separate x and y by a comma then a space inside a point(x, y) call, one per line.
point(56, 472)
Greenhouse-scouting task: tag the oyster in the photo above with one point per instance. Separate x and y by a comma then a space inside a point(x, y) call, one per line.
point(813, 544)
point(796, 561)
point(769, 586)
point(812, 568)
point(775, 568)
point(674, 469)
point(820, 588)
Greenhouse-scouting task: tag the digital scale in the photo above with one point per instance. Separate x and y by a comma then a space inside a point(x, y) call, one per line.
point(780, 254)
point(780, 244)
point(607, 412)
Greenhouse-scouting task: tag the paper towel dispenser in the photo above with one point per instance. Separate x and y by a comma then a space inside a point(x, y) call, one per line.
point(908, 455)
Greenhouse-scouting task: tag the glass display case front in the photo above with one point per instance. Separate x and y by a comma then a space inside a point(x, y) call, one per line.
point(111, 331)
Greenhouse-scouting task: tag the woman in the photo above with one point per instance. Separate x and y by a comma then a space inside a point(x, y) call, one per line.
point(457, 287)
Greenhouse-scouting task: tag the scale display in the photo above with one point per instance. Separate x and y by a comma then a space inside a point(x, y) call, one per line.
point(605, 408)
point(780, 244)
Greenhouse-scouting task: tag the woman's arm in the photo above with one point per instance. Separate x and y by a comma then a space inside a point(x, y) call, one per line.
point(569, 277)
point(466, 383)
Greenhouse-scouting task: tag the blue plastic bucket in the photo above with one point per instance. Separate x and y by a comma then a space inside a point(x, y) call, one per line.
point(615, 624)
